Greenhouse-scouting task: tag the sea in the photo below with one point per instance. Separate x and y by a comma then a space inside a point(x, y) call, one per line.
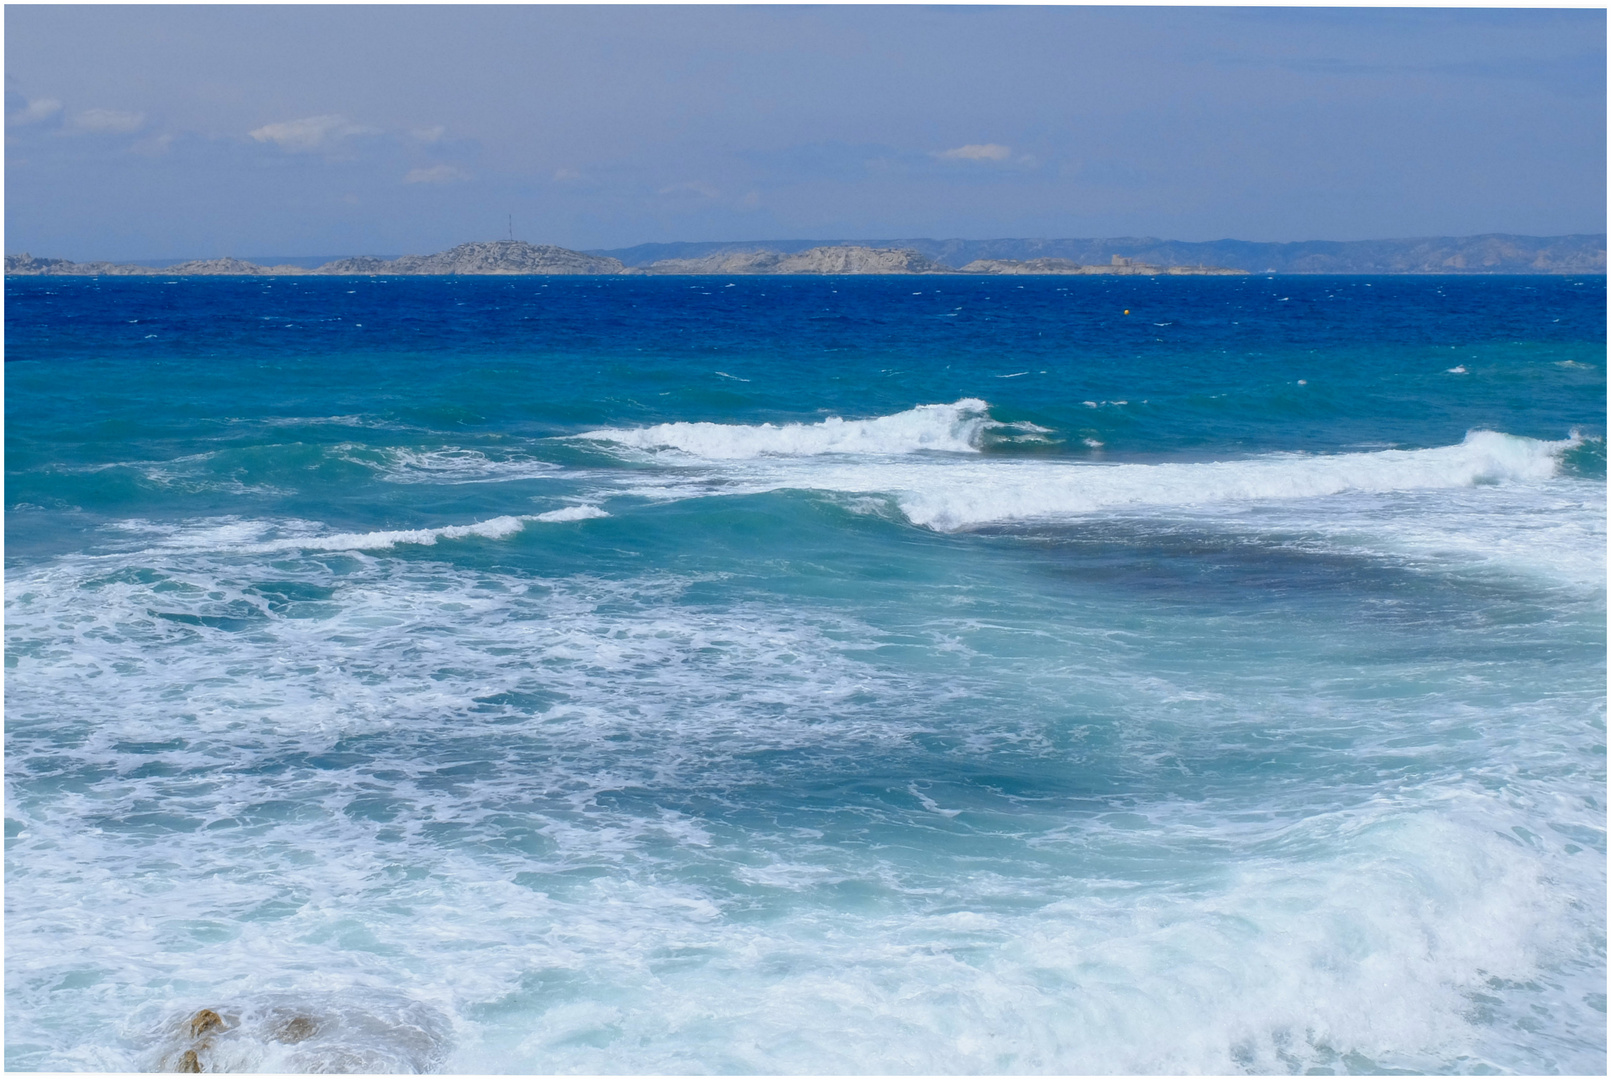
point(907, 674)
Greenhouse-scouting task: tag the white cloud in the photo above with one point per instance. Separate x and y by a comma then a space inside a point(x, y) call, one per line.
point(692, 187)
point(108, 121)
point(429, 134)
point(308, 133)
point(436, 174)
point(36, 110)
point(976, 152)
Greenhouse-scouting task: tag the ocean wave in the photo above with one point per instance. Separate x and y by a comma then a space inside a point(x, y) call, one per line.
point(452, 465)
point(497, 528)
point(424, 695)
point(950, 495)
point(956, 428)
point(585, 512)
point(1025, 491)
point(238, 536)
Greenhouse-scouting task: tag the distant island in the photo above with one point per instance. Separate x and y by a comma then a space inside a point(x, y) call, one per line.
point(1493, 253)
point(1488, 253)
point(497, 257)
point(518, 257)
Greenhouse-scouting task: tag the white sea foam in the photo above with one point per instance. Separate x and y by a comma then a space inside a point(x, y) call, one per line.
point(956, 428)
point(581, 826)
point(1491, 500)
point(476, 821)
point(253, 537)
point(584, 512)
point(453, 465)
point(497, 528)
point(953, 495)
point(1554, 533)
point(875, 456)
point(1028, 491)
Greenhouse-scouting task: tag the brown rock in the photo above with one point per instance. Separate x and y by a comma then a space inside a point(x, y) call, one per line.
point(188, 1062)
point(203, 1022)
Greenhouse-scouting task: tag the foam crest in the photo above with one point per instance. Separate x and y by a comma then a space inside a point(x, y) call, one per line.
point(247, 537)
point(497, 528)
point(951, 495)
point(1037, 491)
point(956, 428)
point(585, 512)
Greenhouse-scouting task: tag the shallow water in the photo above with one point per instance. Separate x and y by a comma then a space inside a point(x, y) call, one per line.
point(826, 675)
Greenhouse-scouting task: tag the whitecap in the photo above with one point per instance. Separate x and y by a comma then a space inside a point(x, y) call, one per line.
point(952, 494)
point(1022, 491)
point(246, 536)
point(955, 428)
point(574, 513)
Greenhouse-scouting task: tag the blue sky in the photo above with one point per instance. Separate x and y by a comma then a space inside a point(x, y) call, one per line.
point(149, 132)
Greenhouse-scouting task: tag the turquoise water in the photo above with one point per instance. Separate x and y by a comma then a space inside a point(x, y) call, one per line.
point(816, 675)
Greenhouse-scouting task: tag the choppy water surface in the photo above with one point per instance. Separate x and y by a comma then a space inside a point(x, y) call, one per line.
point(821, 675)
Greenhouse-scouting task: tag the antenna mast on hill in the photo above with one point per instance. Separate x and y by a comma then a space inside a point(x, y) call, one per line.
point(511, 228)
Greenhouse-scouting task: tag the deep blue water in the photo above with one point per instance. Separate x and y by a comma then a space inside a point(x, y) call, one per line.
point(902, 674)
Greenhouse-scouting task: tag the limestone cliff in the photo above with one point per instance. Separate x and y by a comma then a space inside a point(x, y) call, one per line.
point(231, 268)
point(1118, 265)
point(28, 264)
point(498, 257)
point(1491, 253)
point(852, 259)
point(837, 259)
point(723, 262)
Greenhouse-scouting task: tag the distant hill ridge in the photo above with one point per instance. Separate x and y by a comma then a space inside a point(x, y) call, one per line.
point(1494, 253)
point(494, 257)
point(1490, 253)
point(518, 257)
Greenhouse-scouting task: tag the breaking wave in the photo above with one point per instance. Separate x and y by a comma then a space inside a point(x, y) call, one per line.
point(1032, 490)
point(952, 494)
point(252, 537)
point(957, 428)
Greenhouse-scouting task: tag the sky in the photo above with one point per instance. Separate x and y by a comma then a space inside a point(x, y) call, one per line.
point(199, 131)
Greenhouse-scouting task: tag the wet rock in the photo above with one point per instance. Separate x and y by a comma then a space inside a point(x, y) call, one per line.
point(204, 1022)
point(189, 1062)
point(295, 1030)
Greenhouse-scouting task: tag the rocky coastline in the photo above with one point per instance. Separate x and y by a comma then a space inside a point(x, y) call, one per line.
point(1119, 265)
point(496, 257)
point(1145, 257)
point(518, 257)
